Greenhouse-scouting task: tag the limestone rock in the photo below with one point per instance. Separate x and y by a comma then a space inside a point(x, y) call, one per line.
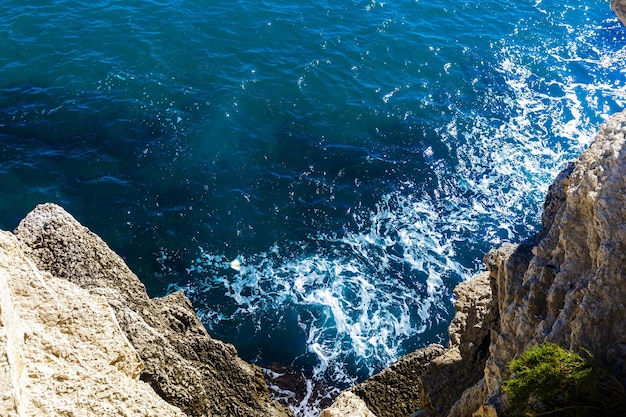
point(61, 350)
point(569, 286)
point(619, 8)
point(472, 323)
point(347, 404)
point(461, 366)
point(188, 368)
point(396, 390)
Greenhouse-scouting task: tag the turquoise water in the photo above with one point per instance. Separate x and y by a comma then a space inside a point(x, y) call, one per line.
point(357, 158)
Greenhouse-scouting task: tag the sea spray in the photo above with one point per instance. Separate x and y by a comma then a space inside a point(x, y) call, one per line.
point(357, 159)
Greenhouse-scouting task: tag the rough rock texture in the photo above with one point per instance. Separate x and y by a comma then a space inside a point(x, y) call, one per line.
point(62, 352)
point(348, 404)
point(619, 8)
point(394, 391)
point(566, 286)
point(184, 365)
point(574, 289)
point(405, 387)
point(461, 366)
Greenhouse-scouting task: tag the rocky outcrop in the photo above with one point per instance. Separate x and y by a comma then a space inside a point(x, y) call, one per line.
point(62, 353)
point(462, 364)
point(566, 286)
point(573, 290)
point(403, 389)
point(172, 351)
point(393, 391)
point(619, 8)
point(348, 404)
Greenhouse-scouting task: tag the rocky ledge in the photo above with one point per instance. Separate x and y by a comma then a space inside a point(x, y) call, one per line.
point(79, 336)
point(566, 286)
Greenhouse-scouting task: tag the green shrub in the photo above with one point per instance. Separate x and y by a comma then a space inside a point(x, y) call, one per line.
point(550, 380)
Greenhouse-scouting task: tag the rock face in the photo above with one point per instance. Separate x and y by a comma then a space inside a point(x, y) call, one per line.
point(462, 364)
point(393, 391)
point(619, 8)
point(62, 352)
point(172, 351)
point(566, 286)
point(573, 290)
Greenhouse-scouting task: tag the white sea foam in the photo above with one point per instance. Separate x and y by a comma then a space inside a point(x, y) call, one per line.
point(354, 308)
point(361, 295)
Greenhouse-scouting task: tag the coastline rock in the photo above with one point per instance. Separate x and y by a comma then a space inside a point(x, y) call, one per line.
point(461, 366)
point(61, 350)
point(431, 378)
point(348, 404)
point(619, 8)
point(393, 391)
point(566, 286)
point(574, 289)
point(182, 363)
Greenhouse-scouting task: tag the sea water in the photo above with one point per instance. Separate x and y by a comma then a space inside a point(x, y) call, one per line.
point(317, 176)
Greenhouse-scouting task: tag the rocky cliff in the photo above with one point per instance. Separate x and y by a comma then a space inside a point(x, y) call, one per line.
point(80, 336)
point(61, 349)
point(566, 286)
point(573, 287)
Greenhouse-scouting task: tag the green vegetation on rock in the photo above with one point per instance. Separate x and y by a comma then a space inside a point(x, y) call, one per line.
point(550, 380)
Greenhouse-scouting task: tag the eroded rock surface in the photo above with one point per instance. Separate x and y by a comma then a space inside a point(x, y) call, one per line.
point(182, 363)
point(62, 352)
point(461, 366)
point(566, 286)
point(348, 404)
point(573, 290)
point(394, 391)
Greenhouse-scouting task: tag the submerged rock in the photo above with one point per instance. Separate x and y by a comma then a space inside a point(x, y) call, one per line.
point(165, 344)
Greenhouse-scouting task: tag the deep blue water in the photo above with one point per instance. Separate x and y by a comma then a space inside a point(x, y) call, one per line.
point(357, 158)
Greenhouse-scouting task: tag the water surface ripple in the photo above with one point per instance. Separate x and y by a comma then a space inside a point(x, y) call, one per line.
point(356, 158)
